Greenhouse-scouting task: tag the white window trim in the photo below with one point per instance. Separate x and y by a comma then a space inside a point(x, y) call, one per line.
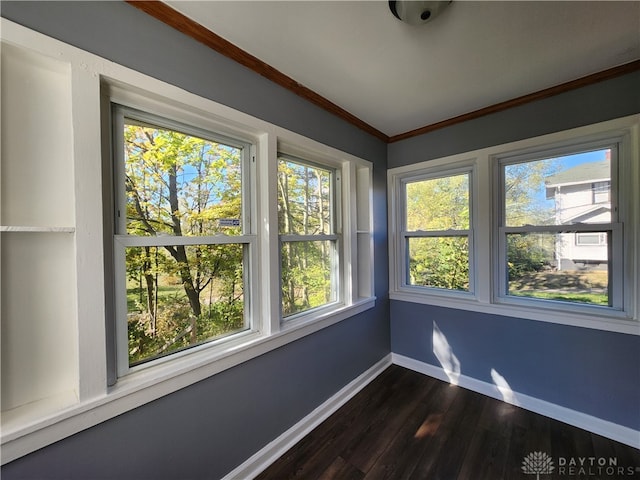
point(399, 250)
point(337, 206)
point(486, 298)
point(35, 425)
point(585, 143)
point(121, 240)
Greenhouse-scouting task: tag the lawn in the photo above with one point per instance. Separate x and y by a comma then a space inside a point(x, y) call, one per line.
point(567, 286)
point(135, 297)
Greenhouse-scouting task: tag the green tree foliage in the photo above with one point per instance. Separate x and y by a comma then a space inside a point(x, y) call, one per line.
point(525, 204)
point(437, 205)
point(180, 185)
point(304, 208)
point(442, 205)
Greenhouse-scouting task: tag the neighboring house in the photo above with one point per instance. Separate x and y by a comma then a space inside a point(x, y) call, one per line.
point(582, 195)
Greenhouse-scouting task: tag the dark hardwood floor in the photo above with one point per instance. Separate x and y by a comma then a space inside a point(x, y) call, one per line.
point(407, 425)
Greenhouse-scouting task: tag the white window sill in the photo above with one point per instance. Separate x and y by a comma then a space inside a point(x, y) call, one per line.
point(608, 321)
point(30, 427)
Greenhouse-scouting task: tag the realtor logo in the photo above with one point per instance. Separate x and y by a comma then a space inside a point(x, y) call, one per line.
point(537, 463)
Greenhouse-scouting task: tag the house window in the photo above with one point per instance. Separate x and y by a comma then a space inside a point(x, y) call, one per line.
point(308, 235)
point(182, 237)
point(601, 191)
point(588, 239)
point(436, 235)
point(547, 218)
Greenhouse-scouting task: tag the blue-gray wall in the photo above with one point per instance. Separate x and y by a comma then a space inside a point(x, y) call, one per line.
point(207, 429)
point(590, 371)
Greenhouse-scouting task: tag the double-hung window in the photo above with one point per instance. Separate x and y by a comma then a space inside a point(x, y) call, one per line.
point(555, 243)
point(183, 237)
point(543, 228)
point(436, 230)
point(309, 235)
point(158, 247)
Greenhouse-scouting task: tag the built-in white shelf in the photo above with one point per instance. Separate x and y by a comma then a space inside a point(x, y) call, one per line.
point(39, 370)
point(33, 229)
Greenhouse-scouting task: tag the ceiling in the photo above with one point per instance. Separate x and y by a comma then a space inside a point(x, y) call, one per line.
point(397, 77)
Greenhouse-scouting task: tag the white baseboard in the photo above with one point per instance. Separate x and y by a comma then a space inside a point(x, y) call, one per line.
point(259, 461)
point(590, 423)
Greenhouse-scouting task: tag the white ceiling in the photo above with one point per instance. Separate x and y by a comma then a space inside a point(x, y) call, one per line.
point(397, 77)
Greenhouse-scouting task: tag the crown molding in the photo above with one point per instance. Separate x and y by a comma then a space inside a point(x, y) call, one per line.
point(191, 28)
point(531, 97)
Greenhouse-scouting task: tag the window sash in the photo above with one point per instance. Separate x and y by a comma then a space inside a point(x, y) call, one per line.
point(122, 240)
point(404, 235)
point(334, 237)
point(118, 115)
point(336, 292)
point(615, 264)
point(433, 234)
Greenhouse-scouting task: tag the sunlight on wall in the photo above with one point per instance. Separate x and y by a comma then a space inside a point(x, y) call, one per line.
point(443, 352)
point(503, 387)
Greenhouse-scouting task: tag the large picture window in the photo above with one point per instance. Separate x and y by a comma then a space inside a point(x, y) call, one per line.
point(182, 247)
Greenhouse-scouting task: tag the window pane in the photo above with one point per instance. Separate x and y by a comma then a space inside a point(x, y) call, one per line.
point(178, 184)
point(308, 280)
point(181, 296)
point(440, 262)
point(438, 203)
point(304, 199)
point(559, 191)
point(554, 267)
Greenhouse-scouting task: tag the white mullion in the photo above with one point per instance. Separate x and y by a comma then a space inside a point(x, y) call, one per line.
point(268, 281)
point(347, 246)
point(90, 291)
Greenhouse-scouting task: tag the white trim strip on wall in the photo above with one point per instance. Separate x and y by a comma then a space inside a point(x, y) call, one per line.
point(592, 424)
point(264, 457)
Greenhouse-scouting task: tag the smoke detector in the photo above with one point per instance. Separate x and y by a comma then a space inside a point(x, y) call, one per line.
point(417, 12)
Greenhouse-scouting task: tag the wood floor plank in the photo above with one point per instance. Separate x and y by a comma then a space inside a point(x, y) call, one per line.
point(341, 469)
point(405, 425)
point(437, 457)
point(457, 437)
point(486, 458)
point(315, 453)
point(404, 450)
point(383, 429)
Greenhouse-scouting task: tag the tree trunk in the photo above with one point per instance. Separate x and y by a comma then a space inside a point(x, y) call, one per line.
point(151, 289)
point(179, 253)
